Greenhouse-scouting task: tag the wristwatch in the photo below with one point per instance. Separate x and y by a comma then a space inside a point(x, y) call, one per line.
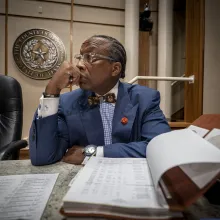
point(90, 150)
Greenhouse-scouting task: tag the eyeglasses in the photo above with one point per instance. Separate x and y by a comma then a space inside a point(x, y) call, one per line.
point(91, 57)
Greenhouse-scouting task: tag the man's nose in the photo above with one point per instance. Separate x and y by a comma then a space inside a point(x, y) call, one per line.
point(81, 65)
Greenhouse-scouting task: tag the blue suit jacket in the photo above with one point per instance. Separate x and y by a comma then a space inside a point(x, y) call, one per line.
point(76, 123)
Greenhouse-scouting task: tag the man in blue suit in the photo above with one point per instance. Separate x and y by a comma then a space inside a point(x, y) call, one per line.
point(104, 117)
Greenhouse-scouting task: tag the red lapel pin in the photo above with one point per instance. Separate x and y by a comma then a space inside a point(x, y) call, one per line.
point(124, 120)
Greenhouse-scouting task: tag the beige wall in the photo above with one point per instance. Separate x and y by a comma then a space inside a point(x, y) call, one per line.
point(91, 20)
point(101, 3)
point(211, 89)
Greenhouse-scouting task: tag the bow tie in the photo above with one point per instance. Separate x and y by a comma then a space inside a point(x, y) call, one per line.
point(95, 100)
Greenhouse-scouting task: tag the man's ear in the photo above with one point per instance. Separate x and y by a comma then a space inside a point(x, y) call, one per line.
point(116, 68)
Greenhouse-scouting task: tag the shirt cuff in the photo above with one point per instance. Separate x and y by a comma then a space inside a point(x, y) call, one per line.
point(99, 151)
point(48, 106)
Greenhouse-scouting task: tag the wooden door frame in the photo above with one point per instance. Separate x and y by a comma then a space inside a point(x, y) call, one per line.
point(144, 48)
point(195, 34)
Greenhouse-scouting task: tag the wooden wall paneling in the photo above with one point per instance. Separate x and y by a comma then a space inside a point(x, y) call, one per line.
point(59, 11)
point(143, 51)
point(114, 4)
point(31, 9)
point(71, 32)
point(153, 45)
point(143, 56)
point(6, 37)
point(2, 6)
point(119, 4)
point(32, 89)
point(2, 44)
point(194, 58)
point(57, 1)
point(99, 15)
point(71, 36)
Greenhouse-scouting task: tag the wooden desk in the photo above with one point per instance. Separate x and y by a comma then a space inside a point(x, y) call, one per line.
point(208, 121)
point(179, 125)
point(24, 154)
point(202, 209)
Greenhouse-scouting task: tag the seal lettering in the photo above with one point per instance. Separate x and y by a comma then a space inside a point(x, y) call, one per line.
point(38, 53)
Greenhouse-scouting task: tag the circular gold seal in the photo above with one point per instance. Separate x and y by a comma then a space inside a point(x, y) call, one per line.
point(38, 53)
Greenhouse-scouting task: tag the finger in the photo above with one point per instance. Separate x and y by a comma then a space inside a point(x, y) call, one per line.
point(69, 78)
point(75, 76)
point(76, 79)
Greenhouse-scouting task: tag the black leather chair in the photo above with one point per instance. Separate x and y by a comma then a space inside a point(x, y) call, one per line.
point(11, 118)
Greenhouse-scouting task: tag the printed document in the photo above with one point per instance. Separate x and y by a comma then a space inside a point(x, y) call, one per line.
point(25, 196)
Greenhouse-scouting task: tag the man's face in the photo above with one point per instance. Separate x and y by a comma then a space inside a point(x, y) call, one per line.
point(99, 72)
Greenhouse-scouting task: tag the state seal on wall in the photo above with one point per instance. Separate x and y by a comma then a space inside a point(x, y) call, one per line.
point(38, 53)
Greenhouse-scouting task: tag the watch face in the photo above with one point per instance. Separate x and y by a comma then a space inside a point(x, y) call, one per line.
point(89, 150)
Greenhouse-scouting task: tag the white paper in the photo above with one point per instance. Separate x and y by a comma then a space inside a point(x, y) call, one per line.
point(202, 173)
point(25, 196)
point(177, 148)
point(123, 182)
point(75, 177)
point(214, 137)
point(200, 131)
point(86, 159)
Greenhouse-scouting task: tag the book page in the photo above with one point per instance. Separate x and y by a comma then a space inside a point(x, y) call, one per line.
point(114, 181)
point(214, 137)
point(25, 196)
point(200, 131)
point(202, 173)
point(181, 147)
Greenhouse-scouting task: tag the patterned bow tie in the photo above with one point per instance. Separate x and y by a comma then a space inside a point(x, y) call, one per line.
point(95, 100)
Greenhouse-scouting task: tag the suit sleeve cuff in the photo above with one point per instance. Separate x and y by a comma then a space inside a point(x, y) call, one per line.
point(99, 151)
point(48, 106)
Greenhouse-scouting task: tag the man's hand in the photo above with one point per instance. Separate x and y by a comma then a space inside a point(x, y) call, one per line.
point(67, 74)
point(74, 155)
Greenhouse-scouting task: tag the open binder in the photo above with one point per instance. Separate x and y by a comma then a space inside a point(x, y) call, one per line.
point(179, 168)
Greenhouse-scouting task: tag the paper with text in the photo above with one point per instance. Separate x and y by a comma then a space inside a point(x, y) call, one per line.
point(25, 196)
point(181, 147)
point(123, 182)
point(200, 131)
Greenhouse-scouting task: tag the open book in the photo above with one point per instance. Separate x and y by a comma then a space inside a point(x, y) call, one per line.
point(180, 167)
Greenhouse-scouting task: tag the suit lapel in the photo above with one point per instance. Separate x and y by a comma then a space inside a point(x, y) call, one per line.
point(91, 120)
point(124, 108)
